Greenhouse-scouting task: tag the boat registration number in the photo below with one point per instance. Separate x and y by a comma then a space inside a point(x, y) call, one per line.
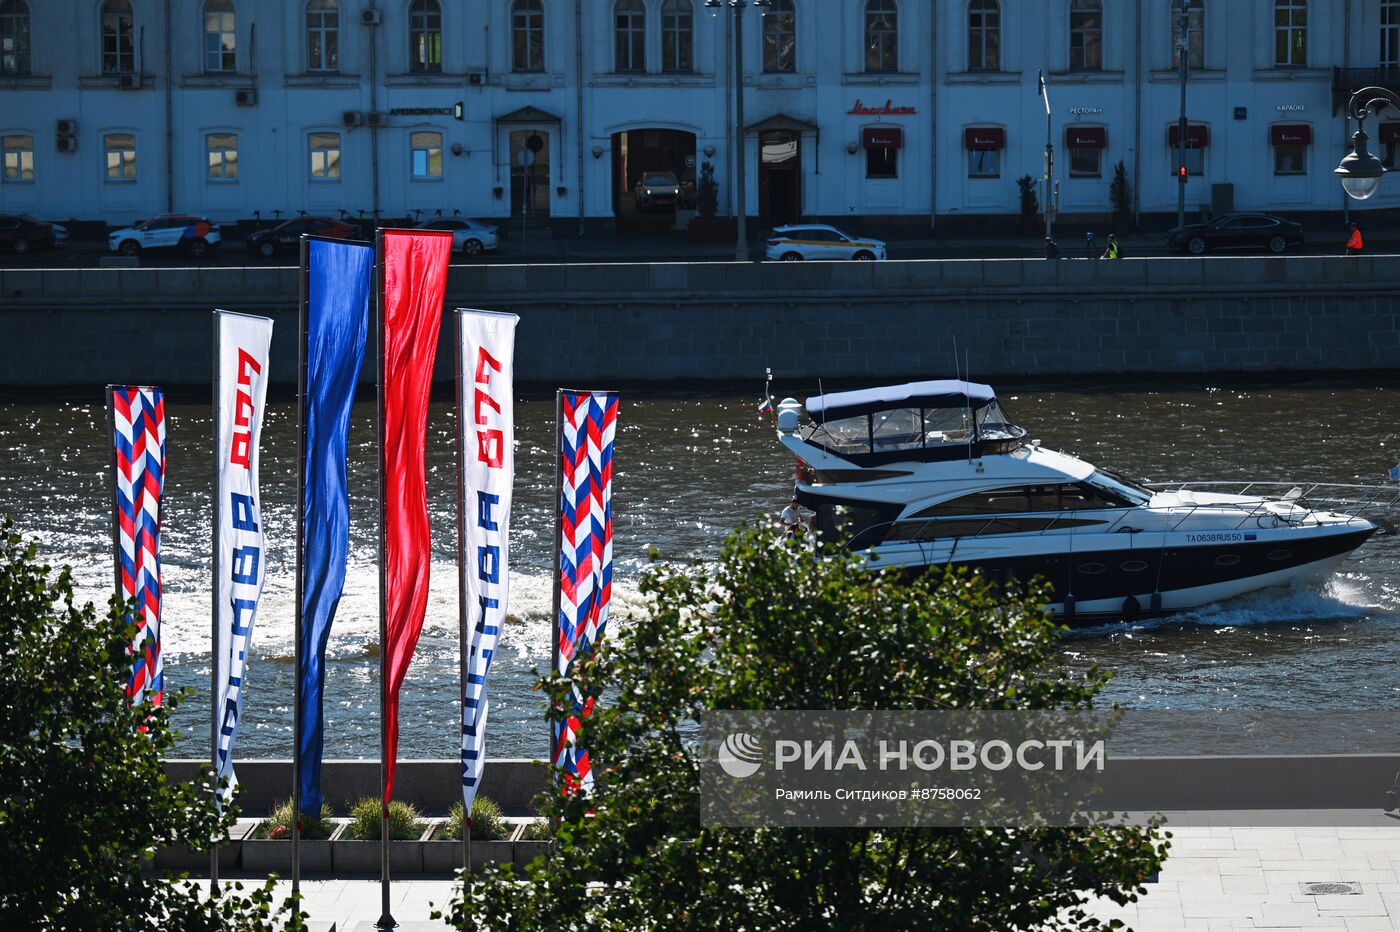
point(1217, 538)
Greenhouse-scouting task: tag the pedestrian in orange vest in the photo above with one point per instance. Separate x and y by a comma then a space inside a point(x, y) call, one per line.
point(1354, 244)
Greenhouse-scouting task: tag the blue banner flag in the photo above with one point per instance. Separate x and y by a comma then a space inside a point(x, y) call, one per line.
point(338, 282)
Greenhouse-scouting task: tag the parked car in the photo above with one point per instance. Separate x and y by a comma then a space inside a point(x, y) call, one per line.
point(469, 237)
point(658, 189)
point(20, 233)
point(195, 235)
point(1237, 231)
point(817, 241)
point(286, 235)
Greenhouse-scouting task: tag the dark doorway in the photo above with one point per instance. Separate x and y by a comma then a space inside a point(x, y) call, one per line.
point(653, 173)
point(780, 177)
point(529, 175)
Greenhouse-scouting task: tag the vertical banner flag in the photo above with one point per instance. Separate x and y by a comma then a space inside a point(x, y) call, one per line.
point(414, 280)
point(486, 451)
point(243, 343)
point(138, 424)
point(338, 279)
point(587, 428)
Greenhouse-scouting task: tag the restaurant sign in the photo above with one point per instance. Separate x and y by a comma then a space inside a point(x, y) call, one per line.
point(889, 109)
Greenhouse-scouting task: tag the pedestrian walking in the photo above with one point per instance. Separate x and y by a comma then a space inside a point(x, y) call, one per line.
point(1354, 244)
point(1091, 247)
point(1052, 249)
point(1112, 251)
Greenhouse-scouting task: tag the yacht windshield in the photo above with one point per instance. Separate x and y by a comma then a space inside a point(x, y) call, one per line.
point(1125, 489)
point(993, 424)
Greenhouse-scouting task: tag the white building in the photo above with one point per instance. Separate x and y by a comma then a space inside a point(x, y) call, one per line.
point(908, 111)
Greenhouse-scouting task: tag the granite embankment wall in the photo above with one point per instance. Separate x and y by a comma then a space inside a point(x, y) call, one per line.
point(1237, 784)
point(618, 323)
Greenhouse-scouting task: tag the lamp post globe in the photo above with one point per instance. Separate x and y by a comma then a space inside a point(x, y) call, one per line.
point(1360, 172)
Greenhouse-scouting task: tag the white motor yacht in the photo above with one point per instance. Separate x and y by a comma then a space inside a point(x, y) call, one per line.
point(934, 473)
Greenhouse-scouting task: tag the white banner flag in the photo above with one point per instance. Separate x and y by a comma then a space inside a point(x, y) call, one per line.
point(486, 452)
point(240, 389)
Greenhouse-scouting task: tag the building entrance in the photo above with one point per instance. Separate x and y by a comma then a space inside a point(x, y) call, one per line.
point(780, 177)
point(653, 174)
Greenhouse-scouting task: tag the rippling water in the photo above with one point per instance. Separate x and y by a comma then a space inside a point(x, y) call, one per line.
point(687, 470)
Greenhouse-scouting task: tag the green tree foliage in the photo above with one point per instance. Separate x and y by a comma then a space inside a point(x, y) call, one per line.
point(86, 800)
point(1030, 201)
point(777, 626)
point(1120, 192)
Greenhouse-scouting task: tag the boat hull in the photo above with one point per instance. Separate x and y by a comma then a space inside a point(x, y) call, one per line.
point(1094, 587)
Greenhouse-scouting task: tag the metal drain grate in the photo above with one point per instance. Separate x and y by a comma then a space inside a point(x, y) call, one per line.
point(1331, 888)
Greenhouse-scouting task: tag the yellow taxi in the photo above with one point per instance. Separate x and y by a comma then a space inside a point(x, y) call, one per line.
point(822, 243)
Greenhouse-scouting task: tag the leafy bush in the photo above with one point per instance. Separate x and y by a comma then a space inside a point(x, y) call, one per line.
point(280, 825)
point(86, 799)
point(800, 629)
point(487, 824)
point(537, 830)
point(1030, 201)
point(1120, 192)
point(707, 191)
point(405, 824)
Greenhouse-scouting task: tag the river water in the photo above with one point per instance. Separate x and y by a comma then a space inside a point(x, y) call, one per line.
point(688, 468)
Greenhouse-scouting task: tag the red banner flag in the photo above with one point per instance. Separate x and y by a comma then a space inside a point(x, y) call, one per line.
point(414, 273)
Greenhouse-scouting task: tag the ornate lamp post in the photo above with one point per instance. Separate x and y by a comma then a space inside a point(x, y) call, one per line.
point(741, 243)
point(1360, 172)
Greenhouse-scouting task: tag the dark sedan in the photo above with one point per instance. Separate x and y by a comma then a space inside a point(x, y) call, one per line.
point(1237, 231)
point(20, 233)
point(285, 236)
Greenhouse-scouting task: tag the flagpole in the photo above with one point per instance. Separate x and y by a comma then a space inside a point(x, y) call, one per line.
point(214, 616)
point(112, 494)
point(558, 543)
point(463, 621)
point(386, 918)
point(300, 572)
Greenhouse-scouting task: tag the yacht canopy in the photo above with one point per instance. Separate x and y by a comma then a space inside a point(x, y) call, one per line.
point(939, 393)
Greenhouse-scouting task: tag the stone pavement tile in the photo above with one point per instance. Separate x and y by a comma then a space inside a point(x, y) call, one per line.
point(1362, 904)
point(1189, 890)
point(1228, 906)
point(1368, 831)
point(1369, 924)
point(1380, 860)
point(1178, 867)
point(1239, 863)
point(1295, 915)
point(1243, 883)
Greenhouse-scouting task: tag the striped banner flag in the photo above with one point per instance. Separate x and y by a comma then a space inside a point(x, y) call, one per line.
point(587, 427)
point(138, 433)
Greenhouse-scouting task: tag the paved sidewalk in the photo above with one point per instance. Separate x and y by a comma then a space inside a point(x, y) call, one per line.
point(1217, 879)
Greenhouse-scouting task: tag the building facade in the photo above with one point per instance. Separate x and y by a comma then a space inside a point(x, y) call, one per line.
point(906, 111)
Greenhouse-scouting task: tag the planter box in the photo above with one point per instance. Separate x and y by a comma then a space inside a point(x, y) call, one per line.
point(266, 855)
point(182, 858)
point(349, 856)
point(713, 230)
point(684, 218)
point(527, 849)
point(445, 857)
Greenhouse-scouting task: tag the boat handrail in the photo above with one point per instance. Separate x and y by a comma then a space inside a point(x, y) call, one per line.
point(1248, 511)
point(1353, 498)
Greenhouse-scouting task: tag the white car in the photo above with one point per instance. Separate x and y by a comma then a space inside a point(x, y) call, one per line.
point(820, 242)
point(195, 235)
point(469, 237)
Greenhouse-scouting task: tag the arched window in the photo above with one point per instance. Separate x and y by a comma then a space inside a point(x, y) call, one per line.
point(14, 37)
point(1390, 34)
point(1290, 32)
point(983, 35)
point(780, 38)
point(527, 35)
point(425, 35)
point(881, 36)
point(630, 30)
point(118, 49)
point(219, 36)
point(322, 35)
point(1195, 33)
point(677, 35)
point(1086, 35)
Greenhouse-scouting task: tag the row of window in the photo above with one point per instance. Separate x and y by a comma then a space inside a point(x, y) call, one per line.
point(779, 35)
point(221, 150)
point(984, 148)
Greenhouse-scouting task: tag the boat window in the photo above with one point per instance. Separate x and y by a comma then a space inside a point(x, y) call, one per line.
point(839, 523)
point(899, 429)
point(986, 502)
point(947, 425)
point(847, 434)
point(993, 424)
point(935, 529)
point(1116, 486)
point(1085, 496)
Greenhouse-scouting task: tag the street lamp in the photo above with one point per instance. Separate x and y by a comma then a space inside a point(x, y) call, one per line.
point(1360, 172)
point(741, 241)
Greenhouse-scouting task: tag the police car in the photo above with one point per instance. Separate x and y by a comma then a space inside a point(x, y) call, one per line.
point(195, 235)
point(817, 241)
